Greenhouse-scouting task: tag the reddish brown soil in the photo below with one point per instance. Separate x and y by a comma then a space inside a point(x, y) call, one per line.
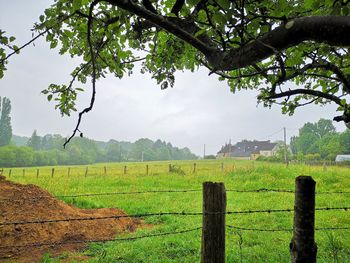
point(21, 205)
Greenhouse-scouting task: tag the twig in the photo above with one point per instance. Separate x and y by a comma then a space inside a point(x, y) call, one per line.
point(93, 62)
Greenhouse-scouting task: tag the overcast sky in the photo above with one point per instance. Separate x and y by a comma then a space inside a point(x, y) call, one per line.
point(198, 110)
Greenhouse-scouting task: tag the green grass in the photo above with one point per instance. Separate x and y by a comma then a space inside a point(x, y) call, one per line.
point(333, 246)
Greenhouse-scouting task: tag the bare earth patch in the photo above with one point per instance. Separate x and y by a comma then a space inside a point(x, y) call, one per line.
point(21, 204)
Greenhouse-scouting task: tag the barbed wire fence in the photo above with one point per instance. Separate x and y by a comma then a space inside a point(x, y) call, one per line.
point(178, 232)
point(211, 217)
point(259, 190)
point(142, 169)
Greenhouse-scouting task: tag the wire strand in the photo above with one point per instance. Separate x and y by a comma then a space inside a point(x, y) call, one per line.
point(283, 229)
point(260, 190)
point(102, 240)
point(38, 221)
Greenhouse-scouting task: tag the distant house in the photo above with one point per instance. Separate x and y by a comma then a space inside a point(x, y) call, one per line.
point(342, 158)
point(248, 150)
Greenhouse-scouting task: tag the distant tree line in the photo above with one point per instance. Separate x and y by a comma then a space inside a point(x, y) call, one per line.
point(320, 141)
point(48, 150)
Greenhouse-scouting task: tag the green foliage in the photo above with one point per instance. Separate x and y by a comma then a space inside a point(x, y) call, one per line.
point(5, 121)
point(34, 141)
point(19, 140)
point(312, 157)
point(330, 147)
point(24, 156)
point(273, 159)
point(318, 141)
point(6, 44)
point(344, 140)
point(7, 156)
point(307, 143)
point(321, 128)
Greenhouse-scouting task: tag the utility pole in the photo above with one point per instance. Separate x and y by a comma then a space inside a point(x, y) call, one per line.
point(142, 157)
point(204, 152)
point(285, 145)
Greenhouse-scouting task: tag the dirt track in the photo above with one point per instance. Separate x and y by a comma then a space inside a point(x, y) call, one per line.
point(21, 204)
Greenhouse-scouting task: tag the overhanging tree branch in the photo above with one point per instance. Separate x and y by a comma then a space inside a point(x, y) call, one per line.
point(332, 30)
point(184, 29)
point(93, 63)
point(315, 93)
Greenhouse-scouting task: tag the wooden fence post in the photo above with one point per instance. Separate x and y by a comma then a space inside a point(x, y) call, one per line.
point(303, 247)
point(147, 169)
point(10, 172)
point(170, 168)
point(37, 173)
point(105, 170)
point(214, 215)
point(125, 169)
point(194, 167)
point(222, 167)
point(24, 172)
point(52, 172)
point(86, 170)
point(68, 174)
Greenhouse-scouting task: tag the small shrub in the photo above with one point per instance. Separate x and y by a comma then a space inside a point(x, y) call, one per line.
point(176, 169)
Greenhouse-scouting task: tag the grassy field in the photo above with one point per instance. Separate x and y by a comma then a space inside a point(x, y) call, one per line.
point(241, 246)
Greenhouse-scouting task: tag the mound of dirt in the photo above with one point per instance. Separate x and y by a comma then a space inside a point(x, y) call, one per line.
point(21, 203)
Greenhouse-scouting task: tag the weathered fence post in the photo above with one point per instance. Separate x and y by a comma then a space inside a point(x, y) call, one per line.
point(125, 168)
point(52, 172)
point(105, 170)
point(222, 167)
point(214, 213)
point(194, 167)
point(37, 173)
point(10, 172)
point(68, 174)
point(170, 169)
point(147, 169)
point(86, 170)
point(24, 172)
point(303, 247)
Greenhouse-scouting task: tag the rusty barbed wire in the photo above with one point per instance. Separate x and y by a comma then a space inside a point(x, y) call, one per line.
point(333, 192)
point(260, 190)
point(98, 218)
point(39, 244)
point(283, 229)
point(260, 229)
point(39, 221)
